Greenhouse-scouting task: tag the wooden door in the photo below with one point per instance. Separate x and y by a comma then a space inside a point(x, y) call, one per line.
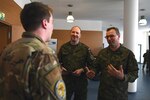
point(5, 34)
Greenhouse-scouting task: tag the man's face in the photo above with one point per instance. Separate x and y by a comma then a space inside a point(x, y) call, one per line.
point(75, 34)
point(112, 38)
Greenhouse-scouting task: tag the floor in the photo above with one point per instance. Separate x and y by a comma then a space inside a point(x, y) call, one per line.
point(143, 87)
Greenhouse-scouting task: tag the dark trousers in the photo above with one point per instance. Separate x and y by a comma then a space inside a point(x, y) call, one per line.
point(76, 86)
point(147, 63)
point(144, 63)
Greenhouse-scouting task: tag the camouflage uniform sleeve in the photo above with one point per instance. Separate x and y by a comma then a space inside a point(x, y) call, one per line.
point(90, 59)
point(96, 64)
point(131, 74)
point(49, 75)
point(60, 55)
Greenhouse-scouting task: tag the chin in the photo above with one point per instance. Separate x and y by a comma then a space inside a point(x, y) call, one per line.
point(112, 45)
point(73, 40)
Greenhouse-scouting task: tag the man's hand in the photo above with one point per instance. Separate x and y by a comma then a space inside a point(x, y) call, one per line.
point(116, 73)
point(90, 73)
point(78, 72)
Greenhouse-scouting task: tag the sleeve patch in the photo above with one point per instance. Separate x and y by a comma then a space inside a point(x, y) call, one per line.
point(60, 90)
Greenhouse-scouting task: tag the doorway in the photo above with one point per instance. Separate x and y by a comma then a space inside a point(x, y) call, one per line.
point(5, 34)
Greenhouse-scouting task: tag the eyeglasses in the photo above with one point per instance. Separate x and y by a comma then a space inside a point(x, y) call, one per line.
point(111, 36)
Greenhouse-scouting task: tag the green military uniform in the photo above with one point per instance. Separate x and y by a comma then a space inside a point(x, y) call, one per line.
point(111, 88)
point(29, 70)
point(146, 59)
point(73, 57)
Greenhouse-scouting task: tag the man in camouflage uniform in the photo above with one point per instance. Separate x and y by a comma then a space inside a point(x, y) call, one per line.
point(75, 57)
point(117, 65)
point(29, 69)
point(146, 59)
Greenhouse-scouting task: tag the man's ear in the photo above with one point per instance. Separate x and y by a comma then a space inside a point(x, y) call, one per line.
point(44, 23)
point(80, 35)
point(119, 35)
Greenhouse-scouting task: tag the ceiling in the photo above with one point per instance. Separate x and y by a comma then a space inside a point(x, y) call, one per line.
point(110, 12)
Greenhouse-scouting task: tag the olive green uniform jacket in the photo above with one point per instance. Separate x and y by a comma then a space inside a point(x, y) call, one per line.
point(111, 88)
point(73, 57)
point(29, 70)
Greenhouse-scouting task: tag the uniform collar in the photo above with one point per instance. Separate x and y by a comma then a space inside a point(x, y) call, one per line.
point(115, 50)
point(31, 35)
point(75, 44)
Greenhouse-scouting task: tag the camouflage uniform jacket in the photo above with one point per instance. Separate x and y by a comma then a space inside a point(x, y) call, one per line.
point(29, 70)
point(74, 57)
point(111, 88)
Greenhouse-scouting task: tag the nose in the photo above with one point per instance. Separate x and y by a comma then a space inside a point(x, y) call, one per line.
point(76, 33)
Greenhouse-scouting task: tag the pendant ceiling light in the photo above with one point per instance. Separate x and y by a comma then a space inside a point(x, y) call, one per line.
point(70, 18)
point(143, 21)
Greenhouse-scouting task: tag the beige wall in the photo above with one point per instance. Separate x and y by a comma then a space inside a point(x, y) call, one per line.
point(16, 32)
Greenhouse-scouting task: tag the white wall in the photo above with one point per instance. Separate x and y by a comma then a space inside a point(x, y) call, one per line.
point(21, 3)
point(83, 24)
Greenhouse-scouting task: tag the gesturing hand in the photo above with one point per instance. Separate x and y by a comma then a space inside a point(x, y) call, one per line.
point(114, 72)
point(78, 72)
